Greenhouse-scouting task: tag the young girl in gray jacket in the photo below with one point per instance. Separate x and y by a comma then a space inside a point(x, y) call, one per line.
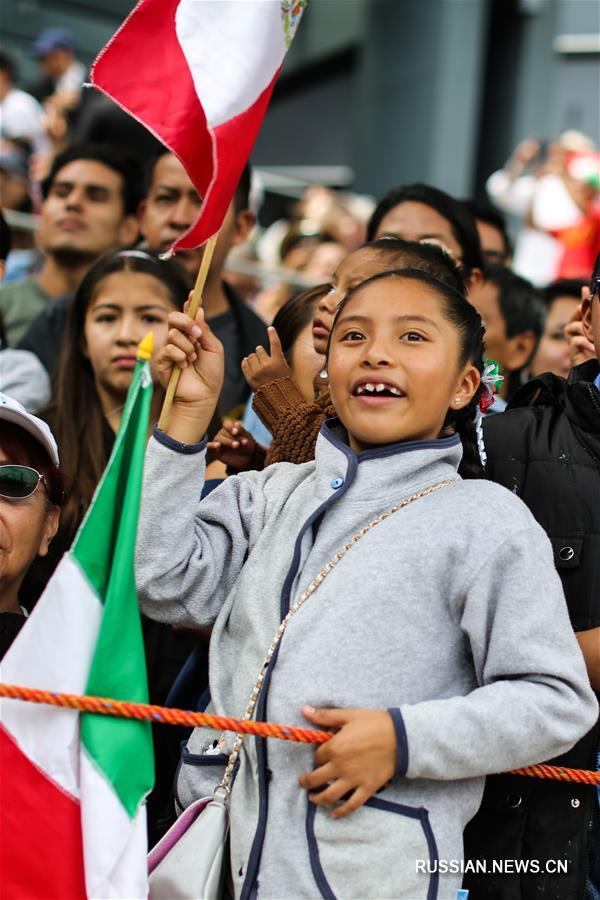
point(436, 646)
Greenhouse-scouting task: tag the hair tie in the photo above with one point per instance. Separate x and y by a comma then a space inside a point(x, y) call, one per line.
point(490, 381)
point(136, 254)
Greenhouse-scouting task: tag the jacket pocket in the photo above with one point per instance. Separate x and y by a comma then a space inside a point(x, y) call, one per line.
point(200, 769)
point(383, 850)
point(567, 549)
point(203, 759)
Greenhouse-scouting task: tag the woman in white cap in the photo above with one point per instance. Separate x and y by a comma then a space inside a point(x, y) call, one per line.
point(31, 496)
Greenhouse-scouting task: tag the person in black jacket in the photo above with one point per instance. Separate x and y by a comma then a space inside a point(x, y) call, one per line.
point(546, 449)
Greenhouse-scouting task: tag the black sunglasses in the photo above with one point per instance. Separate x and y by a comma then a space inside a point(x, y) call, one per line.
point(595, 286)
point(19, 482)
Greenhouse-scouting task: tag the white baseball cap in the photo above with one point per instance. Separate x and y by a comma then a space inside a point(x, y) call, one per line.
point(13, 411)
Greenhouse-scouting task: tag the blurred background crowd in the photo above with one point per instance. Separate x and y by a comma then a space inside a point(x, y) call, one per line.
point(537, 206)
point(495, 100)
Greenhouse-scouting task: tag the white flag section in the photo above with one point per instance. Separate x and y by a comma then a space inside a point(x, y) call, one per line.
point(230, 62)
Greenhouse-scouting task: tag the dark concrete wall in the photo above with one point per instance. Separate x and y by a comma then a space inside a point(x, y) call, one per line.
point(400, 90)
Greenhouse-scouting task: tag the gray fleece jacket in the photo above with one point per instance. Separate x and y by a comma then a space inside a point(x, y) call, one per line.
point(450, 612)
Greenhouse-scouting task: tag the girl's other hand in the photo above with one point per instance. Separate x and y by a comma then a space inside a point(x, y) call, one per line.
point(358, 760)
point(580, 349)
point(259, 368)
point(234, 446)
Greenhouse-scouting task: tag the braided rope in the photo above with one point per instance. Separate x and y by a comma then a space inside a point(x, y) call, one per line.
point(559, 773)
point(123, 709)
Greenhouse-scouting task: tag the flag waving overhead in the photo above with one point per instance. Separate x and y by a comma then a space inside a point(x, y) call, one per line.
point(199, 74)
point(72, 820)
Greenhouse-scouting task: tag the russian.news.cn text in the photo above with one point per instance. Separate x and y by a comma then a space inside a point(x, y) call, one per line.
point(491, 866)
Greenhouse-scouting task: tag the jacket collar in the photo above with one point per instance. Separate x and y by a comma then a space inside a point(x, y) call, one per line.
point(587, 371)
point(582, 404)
point(578, 397)
point(392, 471)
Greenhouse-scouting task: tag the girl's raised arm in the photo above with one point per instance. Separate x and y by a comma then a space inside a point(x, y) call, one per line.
point(188, 556)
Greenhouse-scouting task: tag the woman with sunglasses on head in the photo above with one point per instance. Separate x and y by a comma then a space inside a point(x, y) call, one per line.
point(31, 496)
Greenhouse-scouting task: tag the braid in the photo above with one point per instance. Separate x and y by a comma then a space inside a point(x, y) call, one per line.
point(464, 421)
point(464, 424)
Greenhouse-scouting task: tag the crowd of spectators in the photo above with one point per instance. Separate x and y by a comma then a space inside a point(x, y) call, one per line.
point(91, 205)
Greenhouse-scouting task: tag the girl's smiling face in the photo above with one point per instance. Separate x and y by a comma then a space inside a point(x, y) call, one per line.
point(395, 364)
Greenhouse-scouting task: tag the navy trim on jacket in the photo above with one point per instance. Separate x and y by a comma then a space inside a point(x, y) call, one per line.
point(167, 441)
point(261, 710)
point(387, 449)
point(419, 813)
point(401, 741)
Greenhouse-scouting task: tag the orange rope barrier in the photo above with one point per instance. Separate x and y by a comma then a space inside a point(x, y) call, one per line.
point(146, 712)
point(559, 773)
point(123, 709)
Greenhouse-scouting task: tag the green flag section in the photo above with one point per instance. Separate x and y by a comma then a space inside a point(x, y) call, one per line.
point(79, 781)
point(104, 549)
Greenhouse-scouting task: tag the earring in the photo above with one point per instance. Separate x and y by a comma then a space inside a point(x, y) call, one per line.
point(323, 374)
point(456, 401)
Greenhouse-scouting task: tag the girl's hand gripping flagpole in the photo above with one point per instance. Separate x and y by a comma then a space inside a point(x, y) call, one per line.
point(193, 307)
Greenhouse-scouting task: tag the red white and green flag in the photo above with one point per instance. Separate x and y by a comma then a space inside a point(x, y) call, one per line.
point(199, 75)
point(72, 814)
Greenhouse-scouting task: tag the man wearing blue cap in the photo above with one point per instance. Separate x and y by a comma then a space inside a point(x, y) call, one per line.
point(55, 50)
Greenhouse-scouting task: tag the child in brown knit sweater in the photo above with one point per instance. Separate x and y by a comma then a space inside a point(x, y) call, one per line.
point(292, 349)
point(293, 420)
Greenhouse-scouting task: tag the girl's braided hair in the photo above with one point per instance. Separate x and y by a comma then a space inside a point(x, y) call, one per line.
point(467, 320)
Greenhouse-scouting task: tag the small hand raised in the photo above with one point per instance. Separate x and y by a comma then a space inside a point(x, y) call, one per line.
point(260, 368)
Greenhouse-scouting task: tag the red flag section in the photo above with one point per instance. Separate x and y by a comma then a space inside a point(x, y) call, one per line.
point(41, 853)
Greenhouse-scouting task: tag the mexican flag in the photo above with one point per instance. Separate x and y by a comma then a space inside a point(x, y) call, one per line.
point(199, 75)
point(72, 815)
